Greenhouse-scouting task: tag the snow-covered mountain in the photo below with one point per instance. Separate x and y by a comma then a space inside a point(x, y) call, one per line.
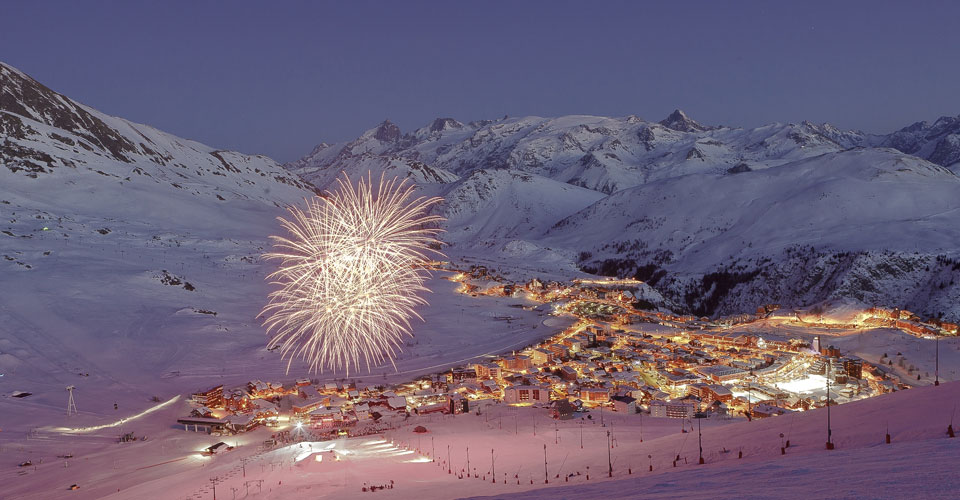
point(125, 252)
point(47, 136)
point(864, 223)
point(598, 153)
point(938, 143)
point(721, 219)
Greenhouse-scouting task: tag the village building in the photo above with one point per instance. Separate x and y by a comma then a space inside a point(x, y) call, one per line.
point(540, 356)
point(673, 409)
point(200, 424)
point(212, 398)
point(526, 394)
point(594, 394)
point(624, 404)
point(517, 363)
point(562, 409)
point(488, 371)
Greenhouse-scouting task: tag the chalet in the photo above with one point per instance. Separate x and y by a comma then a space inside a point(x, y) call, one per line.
point(258, 388)
point(202, 412)
point(361, 411)
point(311, 400)
point(241, 423)
point(264, 409)
point(212, 398)
point(326, 417)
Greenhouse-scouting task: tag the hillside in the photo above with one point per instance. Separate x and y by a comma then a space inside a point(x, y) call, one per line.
point(864, 223)
point(126, 253)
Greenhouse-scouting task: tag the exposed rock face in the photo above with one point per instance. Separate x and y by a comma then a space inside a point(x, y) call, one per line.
point(441, 124)
point(387, 132)
point(679, 121)
point(24, 96)
point(739, 168)
point(939, 142)
point(44, 132)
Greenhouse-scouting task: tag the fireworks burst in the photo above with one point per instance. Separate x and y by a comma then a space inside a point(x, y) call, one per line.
point(350, 274)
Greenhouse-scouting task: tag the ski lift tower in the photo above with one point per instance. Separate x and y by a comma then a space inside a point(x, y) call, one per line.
point(71, 404)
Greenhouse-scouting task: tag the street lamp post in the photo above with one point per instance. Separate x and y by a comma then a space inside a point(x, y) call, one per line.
point(609, 458)
point(546, 475)
point(699, 416)
point(937, 369)
point(829, 431)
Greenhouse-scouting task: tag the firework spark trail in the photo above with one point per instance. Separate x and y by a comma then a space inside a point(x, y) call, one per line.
point(350, 274)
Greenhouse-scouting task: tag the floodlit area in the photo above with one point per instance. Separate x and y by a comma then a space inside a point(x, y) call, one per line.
point(806, 385)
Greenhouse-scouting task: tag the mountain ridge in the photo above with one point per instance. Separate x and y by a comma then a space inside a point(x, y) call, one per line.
point(838, 181)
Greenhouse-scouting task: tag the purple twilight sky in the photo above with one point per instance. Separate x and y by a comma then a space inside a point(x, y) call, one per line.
point(279, 77)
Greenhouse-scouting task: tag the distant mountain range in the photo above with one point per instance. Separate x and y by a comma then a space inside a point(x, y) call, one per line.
point(718, 219)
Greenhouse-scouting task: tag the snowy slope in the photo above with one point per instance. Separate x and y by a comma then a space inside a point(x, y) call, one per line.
point(507, 204)
point(918, 463)
point(844, 224)
point(914, 465)
point(119, 242)
point(858, 198)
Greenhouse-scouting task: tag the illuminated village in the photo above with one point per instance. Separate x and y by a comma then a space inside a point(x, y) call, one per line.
point(615, 357)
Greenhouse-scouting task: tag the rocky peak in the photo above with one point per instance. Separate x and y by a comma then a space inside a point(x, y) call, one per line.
point(387, 132)
point(22, 95)
point(937, 142)
point(679, 121)
point(441, 124)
